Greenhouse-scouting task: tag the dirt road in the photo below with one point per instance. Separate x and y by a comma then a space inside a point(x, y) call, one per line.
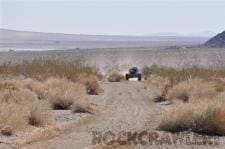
point(124, 106)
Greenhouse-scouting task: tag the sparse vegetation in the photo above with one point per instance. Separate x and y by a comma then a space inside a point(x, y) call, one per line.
point(92, 86)
point(42, 69)
point(62, 103)
point(12, 118)
point(16, 110)
point(82, 108)
point(201, 91)
point(192, 89)
point(202, 117)
point(40, 114)
point(39, 88)
point(158, 86)
point(27, 102)
point(178, 75)
point(115, 77)
point(62, 93)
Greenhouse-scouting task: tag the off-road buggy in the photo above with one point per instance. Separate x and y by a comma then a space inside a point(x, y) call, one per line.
point(133, 73)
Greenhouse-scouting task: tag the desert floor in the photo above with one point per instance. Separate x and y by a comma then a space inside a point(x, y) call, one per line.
point(123, 106)
point(124, 58)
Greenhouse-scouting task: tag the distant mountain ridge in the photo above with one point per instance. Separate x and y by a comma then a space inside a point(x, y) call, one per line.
point(12, 39)
point(217, 41)
point(198, 34)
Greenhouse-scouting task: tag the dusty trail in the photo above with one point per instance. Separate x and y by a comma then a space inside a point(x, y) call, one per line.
point(124, 106)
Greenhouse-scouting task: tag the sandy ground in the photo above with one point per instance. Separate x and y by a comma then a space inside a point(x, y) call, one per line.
point(124, 106)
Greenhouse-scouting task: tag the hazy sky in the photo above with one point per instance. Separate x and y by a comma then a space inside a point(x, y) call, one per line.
point(113, 17)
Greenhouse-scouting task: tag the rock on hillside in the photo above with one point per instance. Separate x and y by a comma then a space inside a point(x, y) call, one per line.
point(216, 42)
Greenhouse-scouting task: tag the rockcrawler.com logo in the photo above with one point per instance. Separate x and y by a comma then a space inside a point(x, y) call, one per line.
point(151, 138)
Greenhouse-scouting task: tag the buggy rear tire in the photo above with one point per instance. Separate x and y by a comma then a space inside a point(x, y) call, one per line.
point(139, 77)
point(127, 76)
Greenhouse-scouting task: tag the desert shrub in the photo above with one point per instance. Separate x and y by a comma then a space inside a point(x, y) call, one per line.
point(42, 69)
point(40, 114)
point(158, 87)
point(19, 107)
point(39, 88)
point(12, 118)
point(11, 91)
point(92, 86)
point(202, 117)
point(182, 74)
point(62, 93)
point(115, 77)
point(63, 103)
point(219, 84)
point(82, 108)
point(192, 89)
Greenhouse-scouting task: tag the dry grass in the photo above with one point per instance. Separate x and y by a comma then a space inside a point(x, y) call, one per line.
point(192, 89)
point(39, 88)
point(12, 118)
point(82, 108)
point(62, 93)
point(29, 102)
point(40, 114)
point(20, 107)
point(158, 87)
point(92, 85)
point(63, 103)
point(12, 91)
point(220, 84)
point(115, 76)
point(178, 75)
point(42, 69)
point(202, 89)
point(48, 85)
point(204, 116)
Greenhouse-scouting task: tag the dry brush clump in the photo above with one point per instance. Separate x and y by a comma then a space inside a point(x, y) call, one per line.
point(39, 88)
point(12, 118)
point(16, 107)
point(40, 114)
point(203, 116)
point(202, 93)
point(42, 69)
point(92, 85)
point(62, 93)
point(115, 76)
point(28, 101)
point(192, 89)
point(12, 91)
point(185, 83)
point(182, 74)
point(82, 108)
point(220, 84)
point(159, 86)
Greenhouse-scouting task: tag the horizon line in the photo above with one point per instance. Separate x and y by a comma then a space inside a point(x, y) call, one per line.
point(178, 34)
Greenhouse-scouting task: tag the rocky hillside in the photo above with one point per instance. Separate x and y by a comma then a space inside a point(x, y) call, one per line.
point(216, 42)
